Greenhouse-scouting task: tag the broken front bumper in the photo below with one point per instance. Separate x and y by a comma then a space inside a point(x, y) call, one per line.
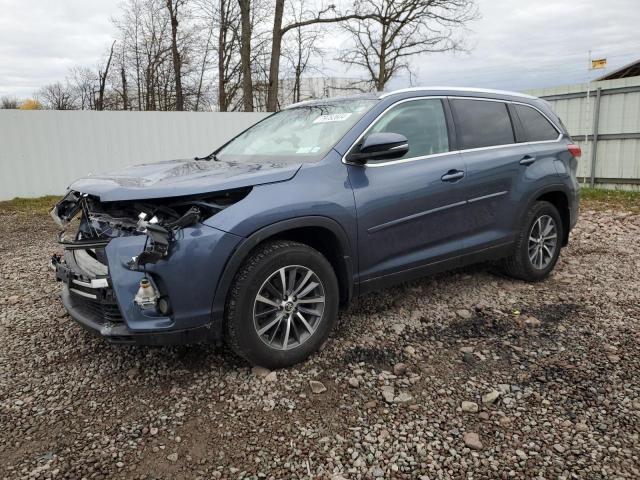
point(100, 286)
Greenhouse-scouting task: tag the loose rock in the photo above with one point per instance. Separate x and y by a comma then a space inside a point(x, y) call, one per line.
point(469, 407)
point(491, 397)
point(317, 387)
point(472, 440)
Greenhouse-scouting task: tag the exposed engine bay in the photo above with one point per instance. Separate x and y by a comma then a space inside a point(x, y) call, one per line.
point(158, 219)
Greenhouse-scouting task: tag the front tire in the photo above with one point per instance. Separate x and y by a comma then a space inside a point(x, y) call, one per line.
point(537, 245)
point(282, 305)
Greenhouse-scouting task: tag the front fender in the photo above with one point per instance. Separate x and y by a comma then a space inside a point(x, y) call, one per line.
point(187, 276)
point(242, 251)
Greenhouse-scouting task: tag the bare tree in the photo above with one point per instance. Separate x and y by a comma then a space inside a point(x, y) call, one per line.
point(301, 49)
point(84, 83)
point(188, 54)
point(123, 78)
point(307, 19)
point(245, 54)
point(400, 29)
point(200, 86)
point(57, 96)
point(9, 103)
point(172, 7)
point(102, 77)
point(130, 25)
point(157, 72)
point(144, 28)
point(229, 42)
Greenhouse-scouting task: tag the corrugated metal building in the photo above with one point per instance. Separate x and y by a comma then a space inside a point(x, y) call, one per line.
point(609, 120)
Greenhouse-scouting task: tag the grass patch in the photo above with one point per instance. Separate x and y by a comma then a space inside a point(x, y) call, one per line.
point(617, 199)
point(41, 205)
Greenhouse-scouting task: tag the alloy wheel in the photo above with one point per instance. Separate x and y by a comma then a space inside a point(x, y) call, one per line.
point(288, 307)
point(543, 241)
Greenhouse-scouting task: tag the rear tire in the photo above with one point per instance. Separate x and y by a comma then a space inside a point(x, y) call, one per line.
point(537, 245)
point(282, 305)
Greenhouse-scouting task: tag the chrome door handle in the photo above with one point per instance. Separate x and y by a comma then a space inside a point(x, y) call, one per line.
point(452, 176)
point(527, 160)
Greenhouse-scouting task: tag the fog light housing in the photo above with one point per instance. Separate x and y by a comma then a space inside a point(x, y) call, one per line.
point(147, 295)
point(163, 306)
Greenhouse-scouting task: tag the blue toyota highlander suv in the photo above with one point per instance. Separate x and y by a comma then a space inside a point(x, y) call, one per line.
point(259, 243)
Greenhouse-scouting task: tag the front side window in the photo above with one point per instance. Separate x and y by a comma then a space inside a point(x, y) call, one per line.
point(536, 127)
point(482, 123)
point(305, 133)
point(422, 122)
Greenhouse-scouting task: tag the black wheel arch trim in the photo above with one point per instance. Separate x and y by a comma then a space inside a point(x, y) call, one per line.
point(249, 243)
point(556, 187)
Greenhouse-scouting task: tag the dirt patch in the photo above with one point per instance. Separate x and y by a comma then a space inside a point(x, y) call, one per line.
point(378, 357)
point(561, 357)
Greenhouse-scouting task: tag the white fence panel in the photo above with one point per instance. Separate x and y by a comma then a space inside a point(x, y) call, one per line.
point(617, 162)
point(42, 152)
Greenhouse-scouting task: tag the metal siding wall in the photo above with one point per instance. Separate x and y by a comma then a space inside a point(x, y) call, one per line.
point(41, 152)
point(619, 113)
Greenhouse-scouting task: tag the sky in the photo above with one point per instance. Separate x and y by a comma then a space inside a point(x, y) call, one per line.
point(516, 45)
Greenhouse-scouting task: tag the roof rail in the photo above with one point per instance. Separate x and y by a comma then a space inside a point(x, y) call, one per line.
point(457, 89)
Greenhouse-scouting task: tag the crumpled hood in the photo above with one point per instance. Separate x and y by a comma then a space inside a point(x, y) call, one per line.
point(177, 178)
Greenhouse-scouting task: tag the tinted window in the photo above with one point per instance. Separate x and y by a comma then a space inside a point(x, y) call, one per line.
point(422, 122)
point(482, 123)
point(536, 127)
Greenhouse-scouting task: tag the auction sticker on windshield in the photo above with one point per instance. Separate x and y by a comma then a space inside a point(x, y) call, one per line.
point(334, 117)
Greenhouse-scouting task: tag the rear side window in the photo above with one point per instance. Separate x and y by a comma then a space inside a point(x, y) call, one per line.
point(482, 123)
point(536, 127)
point(421, 121)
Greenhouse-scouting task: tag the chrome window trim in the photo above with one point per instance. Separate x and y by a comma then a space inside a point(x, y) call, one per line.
point(377, 119)
point(553, 124)
point(451, 152)
point(513, 102)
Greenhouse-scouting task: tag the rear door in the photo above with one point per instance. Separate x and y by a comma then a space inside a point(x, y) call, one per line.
point(543, 138)
point(487, 139)
point(411, 210)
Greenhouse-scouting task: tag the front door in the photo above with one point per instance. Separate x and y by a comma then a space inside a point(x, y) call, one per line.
point(411, 211)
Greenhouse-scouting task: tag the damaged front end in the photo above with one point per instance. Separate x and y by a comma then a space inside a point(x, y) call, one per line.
point(127, 266)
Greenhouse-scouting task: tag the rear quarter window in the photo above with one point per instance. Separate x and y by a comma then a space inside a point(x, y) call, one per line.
point(536, 127)
point(482, 123)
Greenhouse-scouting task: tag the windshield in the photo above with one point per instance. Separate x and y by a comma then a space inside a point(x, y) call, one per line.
point(305, 133)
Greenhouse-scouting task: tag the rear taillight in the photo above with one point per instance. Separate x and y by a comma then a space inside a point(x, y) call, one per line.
point(574, 150)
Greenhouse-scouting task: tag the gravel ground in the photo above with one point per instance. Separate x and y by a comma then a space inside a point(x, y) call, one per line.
point(465, 375)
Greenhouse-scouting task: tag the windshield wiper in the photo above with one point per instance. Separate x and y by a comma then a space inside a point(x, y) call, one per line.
point(211, 156)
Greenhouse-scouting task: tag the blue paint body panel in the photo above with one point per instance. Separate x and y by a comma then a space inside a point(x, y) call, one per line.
point(187, 277)
point(176, 178)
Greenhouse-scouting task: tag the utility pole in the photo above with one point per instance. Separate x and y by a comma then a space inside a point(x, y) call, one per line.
point(588, 120)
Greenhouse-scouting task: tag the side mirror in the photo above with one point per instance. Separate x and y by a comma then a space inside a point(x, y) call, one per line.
point(380, 146)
